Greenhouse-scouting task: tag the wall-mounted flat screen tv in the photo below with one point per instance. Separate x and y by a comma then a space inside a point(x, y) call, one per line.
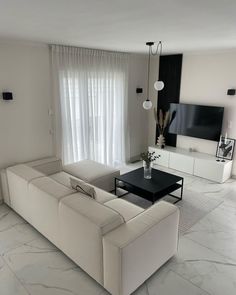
point(196, 120)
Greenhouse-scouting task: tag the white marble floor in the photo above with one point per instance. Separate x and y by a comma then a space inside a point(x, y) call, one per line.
point(205, 262)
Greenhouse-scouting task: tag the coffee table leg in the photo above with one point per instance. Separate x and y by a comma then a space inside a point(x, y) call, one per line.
point(182, 189)
point(181, 193)
point(115, 186)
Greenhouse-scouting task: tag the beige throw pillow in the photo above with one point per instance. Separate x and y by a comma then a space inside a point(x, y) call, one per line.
point(83, 187)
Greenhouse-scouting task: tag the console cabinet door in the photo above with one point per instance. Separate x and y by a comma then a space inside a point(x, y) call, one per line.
point(212, 170)
point(181, 162)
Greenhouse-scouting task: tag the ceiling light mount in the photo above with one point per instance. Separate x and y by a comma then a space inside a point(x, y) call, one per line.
point(158, 85)
point(150, 43)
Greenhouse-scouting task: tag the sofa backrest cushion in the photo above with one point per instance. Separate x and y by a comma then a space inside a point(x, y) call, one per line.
point(18, 178)
point(47, 166)
point(103, 217)
point(52, 187)
point(25, 172)
point(44, 198)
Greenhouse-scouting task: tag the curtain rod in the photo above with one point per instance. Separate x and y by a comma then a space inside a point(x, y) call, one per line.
point(87, 48)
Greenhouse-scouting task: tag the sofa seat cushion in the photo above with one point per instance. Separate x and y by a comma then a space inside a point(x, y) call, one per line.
point(125, 208)
point(102, 216)
point(94, 173)
point(64, 178)
point(103, 196)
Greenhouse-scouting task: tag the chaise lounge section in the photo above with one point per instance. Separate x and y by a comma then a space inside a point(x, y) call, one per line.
point(117, 243)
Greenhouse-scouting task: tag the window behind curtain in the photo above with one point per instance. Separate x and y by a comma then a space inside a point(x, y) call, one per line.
point(93, 98)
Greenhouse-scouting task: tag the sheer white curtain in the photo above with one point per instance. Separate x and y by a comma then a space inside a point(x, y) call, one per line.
point(92, 90)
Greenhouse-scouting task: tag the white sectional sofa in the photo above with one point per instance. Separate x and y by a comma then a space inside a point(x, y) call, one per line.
point(117, 243)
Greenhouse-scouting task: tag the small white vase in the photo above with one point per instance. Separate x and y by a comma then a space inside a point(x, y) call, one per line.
point(161, 141)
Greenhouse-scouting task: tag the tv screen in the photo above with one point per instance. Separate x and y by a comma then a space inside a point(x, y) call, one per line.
point(196, 120)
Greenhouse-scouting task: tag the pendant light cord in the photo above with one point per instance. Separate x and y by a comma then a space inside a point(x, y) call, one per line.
point(159, 45)
point(149, 57)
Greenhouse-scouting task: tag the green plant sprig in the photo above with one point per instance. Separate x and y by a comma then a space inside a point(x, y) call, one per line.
point(149, 157)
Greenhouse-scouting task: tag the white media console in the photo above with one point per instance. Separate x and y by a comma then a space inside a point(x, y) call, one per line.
point(195, 163)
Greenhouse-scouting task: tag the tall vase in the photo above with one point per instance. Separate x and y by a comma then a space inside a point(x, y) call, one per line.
point(147, 166)
point(161, 141)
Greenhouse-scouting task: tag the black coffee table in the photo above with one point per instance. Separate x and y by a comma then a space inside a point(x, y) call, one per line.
point(160, 185)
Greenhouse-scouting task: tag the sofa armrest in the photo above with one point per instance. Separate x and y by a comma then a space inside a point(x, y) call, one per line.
point(4, 187)
point(136, 249)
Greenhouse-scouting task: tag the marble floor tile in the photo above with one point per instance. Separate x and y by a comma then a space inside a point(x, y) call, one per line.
point(224, 214)
point(204, 268)
point(167, 282)
point(8, 218)
point(14, 231)
point(193, 207)
point(9, 284)
point(4, 209)
point(142, 290)
point(208, 190)
point(43, 269)
point(230, 199)
point(212, 233)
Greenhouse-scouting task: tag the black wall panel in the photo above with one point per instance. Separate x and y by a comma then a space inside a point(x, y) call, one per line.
point(170, 73)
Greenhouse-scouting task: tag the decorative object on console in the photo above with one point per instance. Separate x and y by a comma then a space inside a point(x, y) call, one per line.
point(162, 121)
point(225, 149)
point(158, 85)
point(148, 158)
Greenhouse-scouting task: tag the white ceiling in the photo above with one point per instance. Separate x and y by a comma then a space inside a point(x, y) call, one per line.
point(124, 25)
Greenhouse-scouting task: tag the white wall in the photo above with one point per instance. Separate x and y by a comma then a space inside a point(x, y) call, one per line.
point(24, 122)
point(206, 76)
point(205, 80)
point(138, 117)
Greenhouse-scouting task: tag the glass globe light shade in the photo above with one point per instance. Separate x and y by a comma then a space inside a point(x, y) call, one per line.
point(159, 85)
point(147, 104)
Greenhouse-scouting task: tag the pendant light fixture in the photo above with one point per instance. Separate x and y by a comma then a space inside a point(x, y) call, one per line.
point(158, 85)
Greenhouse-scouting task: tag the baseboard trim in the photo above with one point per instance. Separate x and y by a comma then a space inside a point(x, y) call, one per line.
point(134, 159)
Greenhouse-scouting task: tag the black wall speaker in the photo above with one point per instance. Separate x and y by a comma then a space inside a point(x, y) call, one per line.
point(7, 95)
point(139, 90)
point(231, 92)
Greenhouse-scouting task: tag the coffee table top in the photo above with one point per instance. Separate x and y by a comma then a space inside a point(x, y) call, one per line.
point(159, 182)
